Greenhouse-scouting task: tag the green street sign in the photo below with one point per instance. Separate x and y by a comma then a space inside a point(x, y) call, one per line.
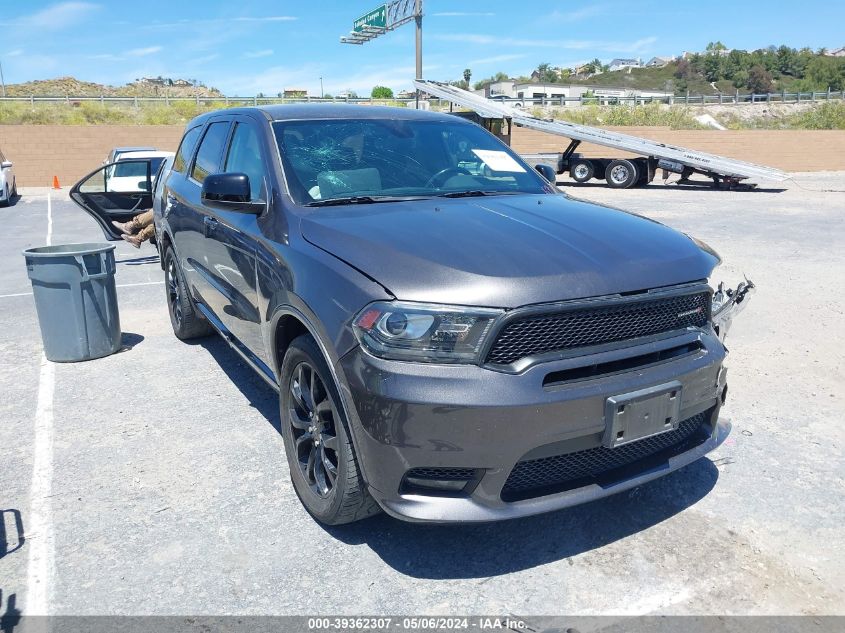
point(376, 18)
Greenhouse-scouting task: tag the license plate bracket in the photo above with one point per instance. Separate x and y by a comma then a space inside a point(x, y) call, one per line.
point(634, 416)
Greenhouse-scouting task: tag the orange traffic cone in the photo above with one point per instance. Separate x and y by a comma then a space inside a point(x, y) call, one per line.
point(56, 182)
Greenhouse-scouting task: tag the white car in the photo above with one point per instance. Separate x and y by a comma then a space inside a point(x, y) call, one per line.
point(8, 186)
point(130, 173)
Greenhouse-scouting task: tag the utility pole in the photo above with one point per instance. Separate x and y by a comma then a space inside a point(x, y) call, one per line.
point(321, 87)
point(418, 19)
point(2, 81)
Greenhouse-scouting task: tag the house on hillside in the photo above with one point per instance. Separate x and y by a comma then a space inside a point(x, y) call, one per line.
point(622, 64)
point(659, 62)
point(837, 52)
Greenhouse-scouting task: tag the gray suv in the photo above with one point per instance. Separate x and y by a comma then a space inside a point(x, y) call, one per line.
point(452, 338)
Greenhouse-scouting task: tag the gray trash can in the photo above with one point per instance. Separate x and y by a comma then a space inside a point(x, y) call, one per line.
point(76, 300)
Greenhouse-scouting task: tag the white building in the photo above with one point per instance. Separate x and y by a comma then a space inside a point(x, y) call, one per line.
point(659, 62)
point(548, 92)
point(622, 64)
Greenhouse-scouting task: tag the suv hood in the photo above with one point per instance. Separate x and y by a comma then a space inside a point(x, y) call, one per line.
point(505, 251)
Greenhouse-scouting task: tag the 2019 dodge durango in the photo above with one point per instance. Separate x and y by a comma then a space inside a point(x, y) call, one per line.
point(452, 338)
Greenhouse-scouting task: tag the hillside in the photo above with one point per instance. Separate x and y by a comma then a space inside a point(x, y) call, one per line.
point(666, 79)
point(69, 86)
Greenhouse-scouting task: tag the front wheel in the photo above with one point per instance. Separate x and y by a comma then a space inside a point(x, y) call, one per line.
point(323, 467)
point(582, 170)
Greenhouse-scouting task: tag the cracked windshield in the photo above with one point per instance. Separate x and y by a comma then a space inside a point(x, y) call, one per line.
point(388, 160)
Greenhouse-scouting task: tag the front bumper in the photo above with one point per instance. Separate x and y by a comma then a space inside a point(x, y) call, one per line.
point(415, 415)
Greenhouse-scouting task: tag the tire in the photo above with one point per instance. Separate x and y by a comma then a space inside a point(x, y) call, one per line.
point(15, 188)
point(323, 467)
point(7, 201)
point(186, 321)
point(621, 174)
point(582, 170)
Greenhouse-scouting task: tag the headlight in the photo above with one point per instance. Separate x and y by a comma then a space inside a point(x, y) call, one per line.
point(422, 332)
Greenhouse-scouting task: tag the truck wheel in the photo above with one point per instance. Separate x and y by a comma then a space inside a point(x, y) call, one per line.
point(621, 174)
point(582, 170)
point(184, 319)
point(323, 467)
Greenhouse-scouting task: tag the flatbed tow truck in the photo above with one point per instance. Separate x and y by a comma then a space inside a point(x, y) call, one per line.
point(619, 173)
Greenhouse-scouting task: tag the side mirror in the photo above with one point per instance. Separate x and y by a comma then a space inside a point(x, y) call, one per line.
point(6, 164)
point(547, 172)
point(229, 191)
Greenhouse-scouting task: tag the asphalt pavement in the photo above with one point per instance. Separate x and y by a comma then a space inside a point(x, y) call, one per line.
point(154, 481)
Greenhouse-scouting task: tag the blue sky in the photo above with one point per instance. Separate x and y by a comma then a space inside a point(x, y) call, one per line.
point(251, 46)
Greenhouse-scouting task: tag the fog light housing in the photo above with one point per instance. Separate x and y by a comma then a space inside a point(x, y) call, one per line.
point(439, 480)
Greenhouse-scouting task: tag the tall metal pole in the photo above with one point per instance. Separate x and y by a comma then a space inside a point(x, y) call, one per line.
point(418, 19)
point(2, 81)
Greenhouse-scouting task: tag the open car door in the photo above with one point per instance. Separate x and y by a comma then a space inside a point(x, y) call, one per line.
point(117, 191)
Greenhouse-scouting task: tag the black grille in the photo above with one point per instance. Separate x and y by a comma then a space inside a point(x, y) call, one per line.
point(535, 477)
point(456, 474)
point(595, 325)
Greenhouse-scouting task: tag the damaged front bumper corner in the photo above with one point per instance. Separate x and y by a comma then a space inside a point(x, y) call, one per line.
point(727, 303)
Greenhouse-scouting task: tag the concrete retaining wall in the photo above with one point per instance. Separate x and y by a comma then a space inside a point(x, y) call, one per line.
point(70, 151)
point(40, 152)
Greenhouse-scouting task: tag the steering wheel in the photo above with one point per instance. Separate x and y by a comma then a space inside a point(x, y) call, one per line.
point(444, 172)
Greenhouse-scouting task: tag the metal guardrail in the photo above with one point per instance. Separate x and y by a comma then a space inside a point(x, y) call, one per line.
point(603, 100)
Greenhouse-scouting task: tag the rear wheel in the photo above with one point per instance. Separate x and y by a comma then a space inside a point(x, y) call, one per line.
point(7, 200)
point(582, 170)
point(186, 322)
point(323, 467)
point(621, 174)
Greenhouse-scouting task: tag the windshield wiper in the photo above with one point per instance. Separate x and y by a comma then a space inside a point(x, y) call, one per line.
point(329, 202)
point(475, 193)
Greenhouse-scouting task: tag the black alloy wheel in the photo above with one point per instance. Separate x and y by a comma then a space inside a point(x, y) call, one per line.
point(313, 417)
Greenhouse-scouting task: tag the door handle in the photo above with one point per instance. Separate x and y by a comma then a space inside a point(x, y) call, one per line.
point(209, 225)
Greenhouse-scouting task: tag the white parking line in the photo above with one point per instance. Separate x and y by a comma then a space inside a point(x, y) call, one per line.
point(40, 526)
point(140, 283)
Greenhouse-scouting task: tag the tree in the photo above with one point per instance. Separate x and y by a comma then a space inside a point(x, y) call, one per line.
point(715, 47)
point(381, 92)
point(467, 76)
point(594, 66)
point(546, 73)
point(712, 67)
point(759, 80)
point(499, 76)
point(825, 72)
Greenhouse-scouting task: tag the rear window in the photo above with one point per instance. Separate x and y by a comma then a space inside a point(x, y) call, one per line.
point(208, 155)
point(186, 149)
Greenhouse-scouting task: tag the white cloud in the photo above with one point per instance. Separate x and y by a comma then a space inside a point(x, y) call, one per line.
point(461, 14)
point(196, 24)
point(576, 16)
point(495, 59)
point(55, 17)
point(204, 59)
point(256, 54)
point(600, 45)
point(15, 53)
point(142, 52)
point(266, 18)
